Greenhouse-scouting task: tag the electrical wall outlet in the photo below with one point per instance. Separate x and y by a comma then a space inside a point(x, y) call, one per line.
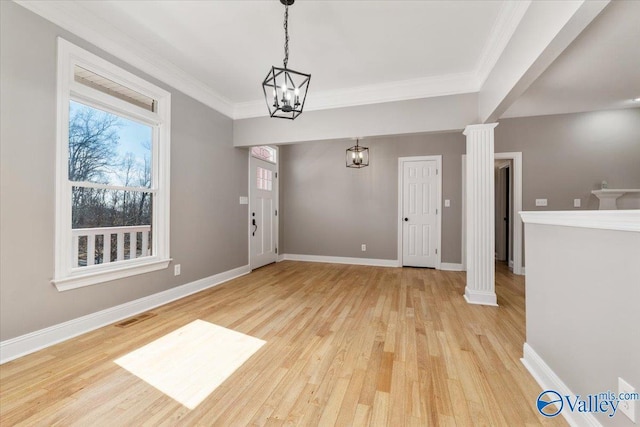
point(176, 270)
point(244, 200)
point(447, 203)
point(364, 247)
point(628, 407)
point(541, 202)
point(576, 203)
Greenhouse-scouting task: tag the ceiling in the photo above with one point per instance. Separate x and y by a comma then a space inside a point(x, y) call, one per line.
point(600, 70)
point(230, 45)
point(378, 51)
point(358, 51)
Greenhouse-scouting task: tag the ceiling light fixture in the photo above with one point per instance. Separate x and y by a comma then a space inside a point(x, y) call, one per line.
point(285, 90)
point(636, 99)
point(357, 156)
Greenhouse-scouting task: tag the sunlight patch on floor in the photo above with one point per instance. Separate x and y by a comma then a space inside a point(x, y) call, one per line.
point(192, 361)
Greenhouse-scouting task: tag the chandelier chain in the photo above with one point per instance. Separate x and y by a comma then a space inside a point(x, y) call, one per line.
point(285, 90)
point(286, 34)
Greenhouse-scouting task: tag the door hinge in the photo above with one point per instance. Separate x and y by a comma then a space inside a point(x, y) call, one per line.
point(276, 250)
point(436, 211)
point(436, 251)
point(276, 174)
point(436, 171)
point(276, 212)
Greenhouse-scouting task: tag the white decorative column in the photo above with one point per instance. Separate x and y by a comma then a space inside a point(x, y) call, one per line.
point(480, 215)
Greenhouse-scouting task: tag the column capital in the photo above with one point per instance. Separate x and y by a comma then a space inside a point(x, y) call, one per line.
point(478, 127)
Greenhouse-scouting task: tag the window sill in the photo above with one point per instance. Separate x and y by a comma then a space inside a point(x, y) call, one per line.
point(76, 280)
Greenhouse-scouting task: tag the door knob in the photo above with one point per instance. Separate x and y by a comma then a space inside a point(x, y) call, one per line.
point(406, 219)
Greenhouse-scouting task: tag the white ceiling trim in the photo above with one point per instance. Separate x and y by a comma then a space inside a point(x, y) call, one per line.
point(103, 35)
point(508, 20)
point(451, 84)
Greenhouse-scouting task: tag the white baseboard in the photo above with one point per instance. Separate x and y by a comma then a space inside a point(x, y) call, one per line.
point(511, 265)
point(280, 258)
point(343, 260)
point(447, 266)
point(480, 298)
point(549, 380)
point(25, 344)
point(450, 266)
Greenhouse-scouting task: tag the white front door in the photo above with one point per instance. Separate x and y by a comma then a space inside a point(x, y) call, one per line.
point(263, 220)
point(420, 201)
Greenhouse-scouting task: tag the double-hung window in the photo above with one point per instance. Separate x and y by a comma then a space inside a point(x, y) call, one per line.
point(112, 172)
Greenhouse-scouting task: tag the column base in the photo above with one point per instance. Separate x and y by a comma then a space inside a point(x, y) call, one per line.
point(481, 298)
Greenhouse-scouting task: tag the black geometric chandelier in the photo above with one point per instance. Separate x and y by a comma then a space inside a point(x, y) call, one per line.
point(285, 90)
point(357, 156)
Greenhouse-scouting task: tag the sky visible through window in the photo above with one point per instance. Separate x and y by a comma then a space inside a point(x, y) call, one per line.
point(120, 148)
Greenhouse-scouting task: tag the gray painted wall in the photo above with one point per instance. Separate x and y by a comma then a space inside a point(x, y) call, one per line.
point(566, 156)
point(208, 228)
point(329, 209)
point(582, 307)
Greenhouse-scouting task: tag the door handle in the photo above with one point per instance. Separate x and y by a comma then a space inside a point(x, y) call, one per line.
point(406, 219)
point(255, 225)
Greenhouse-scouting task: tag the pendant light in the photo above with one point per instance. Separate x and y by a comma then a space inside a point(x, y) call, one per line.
point(285, 90)
point(357, 156)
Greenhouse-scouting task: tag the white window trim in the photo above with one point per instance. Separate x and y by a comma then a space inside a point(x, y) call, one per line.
point(65, 276)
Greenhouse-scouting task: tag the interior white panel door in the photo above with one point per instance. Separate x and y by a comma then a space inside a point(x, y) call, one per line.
point(263, 220)
point(419, 211)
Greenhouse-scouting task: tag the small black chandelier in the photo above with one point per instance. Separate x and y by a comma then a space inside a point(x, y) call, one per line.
point(285, 90)
point(357, 156)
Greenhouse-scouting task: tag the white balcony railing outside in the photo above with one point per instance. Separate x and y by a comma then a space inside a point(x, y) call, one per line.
point(91, 251)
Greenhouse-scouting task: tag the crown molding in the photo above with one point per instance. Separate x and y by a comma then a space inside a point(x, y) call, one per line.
point(403, 90)
point(506, 23)
point(74, 18)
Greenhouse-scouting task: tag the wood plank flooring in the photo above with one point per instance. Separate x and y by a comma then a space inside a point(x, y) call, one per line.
point(346, 345)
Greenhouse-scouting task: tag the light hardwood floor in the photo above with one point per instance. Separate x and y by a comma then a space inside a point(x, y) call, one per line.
point(346, 345)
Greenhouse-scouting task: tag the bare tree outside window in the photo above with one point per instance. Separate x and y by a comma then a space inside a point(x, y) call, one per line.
point(109, 151)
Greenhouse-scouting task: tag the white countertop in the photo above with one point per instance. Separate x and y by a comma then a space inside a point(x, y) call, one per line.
point(624, 220)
